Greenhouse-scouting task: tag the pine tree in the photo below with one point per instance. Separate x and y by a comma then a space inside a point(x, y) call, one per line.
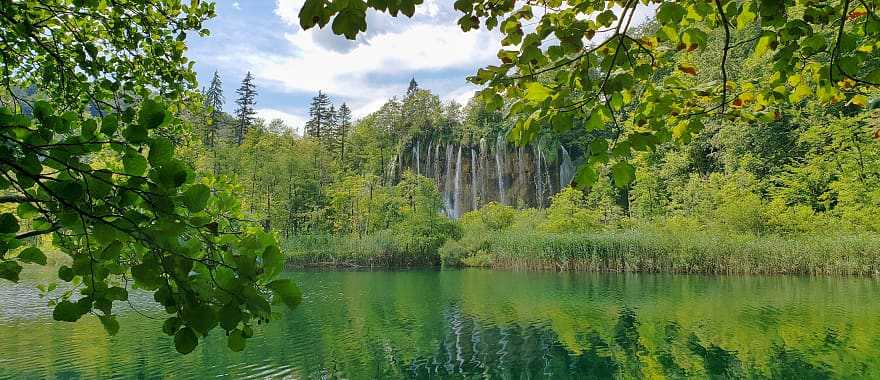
point(331, 136)
point(245, 114)
point(214, 100)
point(343, 120)
point(316, 127)
point(413, 88)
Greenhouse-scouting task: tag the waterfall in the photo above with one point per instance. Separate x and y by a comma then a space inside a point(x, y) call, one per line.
point(428, 159)
point(436, 164)
point(566, 169)
point(500, 146)
point(521, 171)
point(417, 151)
point(484, 163)
point(539, 177)
point(456, 196)
point(447, 188)
point(392, 168)
point(475, 203)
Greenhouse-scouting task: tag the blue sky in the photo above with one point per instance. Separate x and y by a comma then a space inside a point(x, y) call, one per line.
point(290, 65)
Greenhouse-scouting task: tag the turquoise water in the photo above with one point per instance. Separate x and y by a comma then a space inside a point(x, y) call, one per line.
point(486, 324)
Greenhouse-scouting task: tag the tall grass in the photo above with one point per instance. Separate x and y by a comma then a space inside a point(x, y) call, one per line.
point(688, 252)
point(380, 249)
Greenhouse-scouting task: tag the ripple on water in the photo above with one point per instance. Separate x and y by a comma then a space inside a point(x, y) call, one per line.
point(484, 324)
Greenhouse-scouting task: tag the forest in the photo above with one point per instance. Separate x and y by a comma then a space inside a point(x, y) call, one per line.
point(425, 182)
point(714, 138)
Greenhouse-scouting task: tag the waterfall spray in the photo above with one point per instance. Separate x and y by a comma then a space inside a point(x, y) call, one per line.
point(418, 151)
point(428, 159)
point(474, 198)
point(456, 196)
point(500, 146)
point(484, 163)
point(539, 177)
point(521, 171)
point(447, 187)
point(566, 169)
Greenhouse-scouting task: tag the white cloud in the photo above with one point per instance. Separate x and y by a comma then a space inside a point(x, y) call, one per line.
point(236, 5)
point(295, 122)
point(288, 10)
point(421, 47)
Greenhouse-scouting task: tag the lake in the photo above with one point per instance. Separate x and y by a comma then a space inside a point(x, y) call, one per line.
point(483, 323)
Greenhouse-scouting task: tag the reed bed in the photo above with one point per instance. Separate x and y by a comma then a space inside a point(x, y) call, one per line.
point(378, 250)
point(691, 252)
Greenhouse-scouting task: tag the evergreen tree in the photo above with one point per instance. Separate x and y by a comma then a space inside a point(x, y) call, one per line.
point(331, 138)
point(245, 114)
point(413, 88)
point(214, 100)
point(316, 127)
point(343, 121)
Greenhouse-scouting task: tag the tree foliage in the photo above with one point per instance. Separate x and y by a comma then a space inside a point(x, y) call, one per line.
point(563, 63)
point(111, 190)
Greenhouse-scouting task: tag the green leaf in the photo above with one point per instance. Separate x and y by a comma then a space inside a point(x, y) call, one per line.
point(185, 340)
point(286, 291)
point(536, 92)
point(135, 134)
point(586, 176)
point(109, 124)
point(171, 326)
point(152, 114)
point(32, 255)
point(9, 270)
point(623, 173)
point(110, 324)
point(65, 273)
point(134, 164)
point(201, 318)
point(161, 150)
point(229, 315)
point(67, 311)
point(147, 275)
point(8, 223)
point(196, 197)
point(670, 13)
point(236, 341)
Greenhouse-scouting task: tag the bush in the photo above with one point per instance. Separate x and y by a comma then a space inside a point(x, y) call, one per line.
point(568, 212)
point(452, 253)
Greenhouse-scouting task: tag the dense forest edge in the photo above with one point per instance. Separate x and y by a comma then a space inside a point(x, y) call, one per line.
point(422, 182)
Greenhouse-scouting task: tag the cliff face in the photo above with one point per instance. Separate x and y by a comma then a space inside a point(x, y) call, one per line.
point(469, 176)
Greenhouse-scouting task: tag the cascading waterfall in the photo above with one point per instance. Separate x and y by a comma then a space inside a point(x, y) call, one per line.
point(539, 177)
point(484, 163)
point(447, 188)
point(436, 164)
point(456, 196)
point(500, 146)
point(521, 169)
point(475, 200)
point(566, 168)
point(428, 159)
point(417, 151)
point(392, 168)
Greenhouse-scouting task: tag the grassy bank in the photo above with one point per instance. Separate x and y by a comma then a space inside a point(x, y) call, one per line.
point(656, 251)
point(610, 251)
point(379, 249)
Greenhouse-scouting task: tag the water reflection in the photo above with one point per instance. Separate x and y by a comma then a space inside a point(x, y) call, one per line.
point(484, 324)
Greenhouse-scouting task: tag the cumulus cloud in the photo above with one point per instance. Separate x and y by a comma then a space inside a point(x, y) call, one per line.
point(292, 121)
point(369, 70)
point(236, 5)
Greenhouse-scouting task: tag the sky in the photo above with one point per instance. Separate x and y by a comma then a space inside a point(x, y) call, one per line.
point(291, 65)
